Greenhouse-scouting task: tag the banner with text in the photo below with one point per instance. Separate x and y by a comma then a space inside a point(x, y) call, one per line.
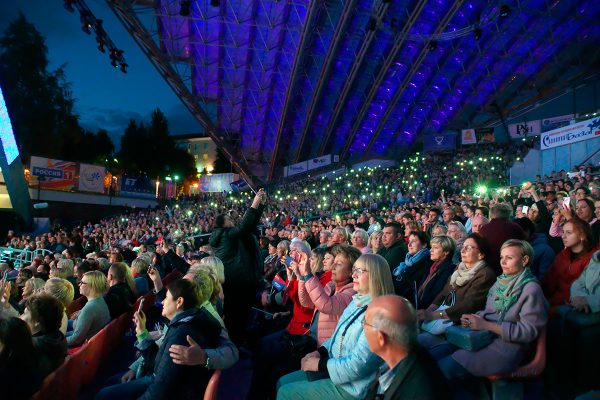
point(549, 124)
point(443, 142)
point(319, 162)
point(578, 132)
point(91, 178)
point(295, 169)
point(139, 187)
point(52, 174)
point(525, 129)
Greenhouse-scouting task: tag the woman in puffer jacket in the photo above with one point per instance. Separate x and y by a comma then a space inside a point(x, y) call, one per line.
point(329, 301)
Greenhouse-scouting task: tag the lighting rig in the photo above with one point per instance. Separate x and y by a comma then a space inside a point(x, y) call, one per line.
point(89, 24)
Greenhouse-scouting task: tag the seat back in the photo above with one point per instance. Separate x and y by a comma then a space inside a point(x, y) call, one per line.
point(212, 389)
point(64, 383)
point(533, 368)
point(536, 366)
point(76, 305)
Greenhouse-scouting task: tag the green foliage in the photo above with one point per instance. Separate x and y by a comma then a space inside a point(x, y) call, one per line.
point(40, 102)
point(148, 149)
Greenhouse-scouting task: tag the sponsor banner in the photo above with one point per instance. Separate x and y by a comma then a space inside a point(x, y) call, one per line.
point(91, 178)
point(569, 134)
point(319, 162)
point(137, 186)
point(446, 141)
point(52, 174)
point(468, 136)
point(217, 183)
point(525, 129)
point(549, 124)
point(295, 169)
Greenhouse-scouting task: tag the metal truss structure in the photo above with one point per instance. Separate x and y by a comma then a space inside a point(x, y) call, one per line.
point(278, 81)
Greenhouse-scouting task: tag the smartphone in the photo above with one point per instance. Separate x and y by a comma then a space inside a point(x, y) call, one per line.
point(288, 260)
point(141, 305)
point(525, 210)
point(567, 202)
point(526, 185)
point(267, 315)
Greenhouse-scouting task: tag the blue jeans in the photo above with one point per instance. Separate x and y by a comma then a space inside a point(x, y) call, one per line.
point(125, 391)
point(452, 370)
point(295, 386)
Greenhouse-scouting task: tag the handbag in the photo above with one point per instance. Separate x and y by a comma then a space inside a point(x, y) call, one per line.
point(468, 339)
point(298, 345)
point(439, 326)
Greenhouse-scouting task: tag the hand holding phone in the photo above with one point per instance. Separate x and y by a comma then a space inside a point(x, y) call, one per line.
point(567, 202)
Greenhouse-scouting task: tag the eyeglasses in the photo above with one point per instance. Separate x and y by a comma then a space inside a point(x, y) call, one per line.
point(82, 283)
point(469, 248)
point(359, 271)
point(365, 323)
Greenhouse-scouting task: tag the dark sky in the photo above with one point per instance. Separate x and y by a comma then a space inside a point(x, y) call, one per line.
point(105, 97)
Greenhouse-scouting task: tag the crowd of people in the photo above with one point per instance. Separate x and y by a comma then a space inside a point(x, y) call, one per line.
point(412, 282)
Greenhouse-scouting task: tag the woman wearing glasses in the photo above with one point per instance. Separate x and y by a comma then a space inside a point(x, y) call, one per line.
point(464, 293)
point(343, 367)
point(94, 315)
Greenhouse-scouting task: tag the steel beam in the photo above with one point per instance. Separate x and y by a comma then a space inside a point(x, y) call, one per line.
point(127, 16)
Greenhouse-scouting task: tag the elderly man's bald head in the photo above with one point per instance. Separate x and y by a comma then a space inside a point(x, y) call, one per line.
point(394, 316)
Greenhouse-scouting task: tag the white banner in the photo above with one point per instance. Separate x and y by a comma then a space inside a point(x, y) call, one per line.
point(295, 169)
point(577, 132)
point(549, 124)
point(319, 162)
point(468, 136)
point(525, 129)
point(91, 178)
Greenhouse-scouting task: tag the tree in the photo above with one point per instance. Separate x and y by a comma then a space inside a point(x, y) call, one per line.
point(150, 150)
point(39, 102)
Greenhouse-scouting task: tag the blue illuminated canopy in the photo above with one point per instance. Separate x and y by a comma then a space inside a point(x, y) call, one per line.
point(9, 145)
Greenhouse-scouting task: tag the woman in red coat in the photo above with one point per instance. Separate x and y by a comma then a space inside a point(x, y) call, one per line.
point(569, 264)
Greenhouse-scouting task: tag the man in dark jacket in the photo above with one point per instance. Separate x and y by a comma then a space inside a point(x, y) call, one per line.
point(409, 372)
point(394, 250)
point(120, 297)
point(498, 231)
point(237, 247)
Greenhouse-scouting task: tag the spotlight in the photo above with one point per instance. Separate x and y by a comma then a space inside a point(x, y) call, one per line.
point(101, 44)
point(372, 25)
point(124, 67)
point(477, 33)
point(215, 3)
point(504, 11)
point(432, 45)
point(185, 7)
point(86, 25)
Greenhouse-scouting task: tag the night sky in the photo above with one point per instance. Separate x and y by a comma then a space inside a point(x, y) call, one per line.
point(105, 97)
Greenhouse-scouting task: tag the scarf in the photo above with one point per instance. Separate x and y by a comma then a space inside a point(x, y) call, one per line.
point(432, 272)
point(463, 275)
point(361, 300)
point(508, 288)
point(410, 260)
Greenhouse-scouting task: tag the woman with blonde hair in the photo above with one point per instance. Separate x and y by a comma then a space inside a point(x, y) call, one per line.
point(216, 265)
point(346, 356)
point(64, 292)
point(94, 315)
point(375, 241)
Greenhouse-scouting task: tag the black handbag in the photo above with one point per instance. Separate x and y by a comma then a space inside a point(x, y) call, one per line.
point(298, 345)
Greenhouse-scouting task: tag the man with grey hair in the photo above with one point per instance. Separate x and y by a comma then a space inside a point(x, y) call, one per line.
point(409, 372)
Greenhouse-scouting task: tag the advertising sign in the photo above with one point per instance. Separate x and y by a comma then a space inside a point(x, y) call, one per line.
point(91, 178)
point(319, 162)
point(446, 141)
point(138, 187)
point(52, 174)
point(549, 124)
point(525, 129)
point(578, 132)
point(295, 169)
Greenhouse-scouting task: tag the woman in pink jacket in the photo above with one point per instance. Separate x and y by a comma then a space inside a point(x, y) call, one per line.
point(329, 301)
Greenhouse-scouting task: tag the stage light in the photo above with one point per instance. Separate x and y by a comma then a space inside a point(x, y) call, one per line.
point(185, 7)
point(504, 11)
point(477, 33)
